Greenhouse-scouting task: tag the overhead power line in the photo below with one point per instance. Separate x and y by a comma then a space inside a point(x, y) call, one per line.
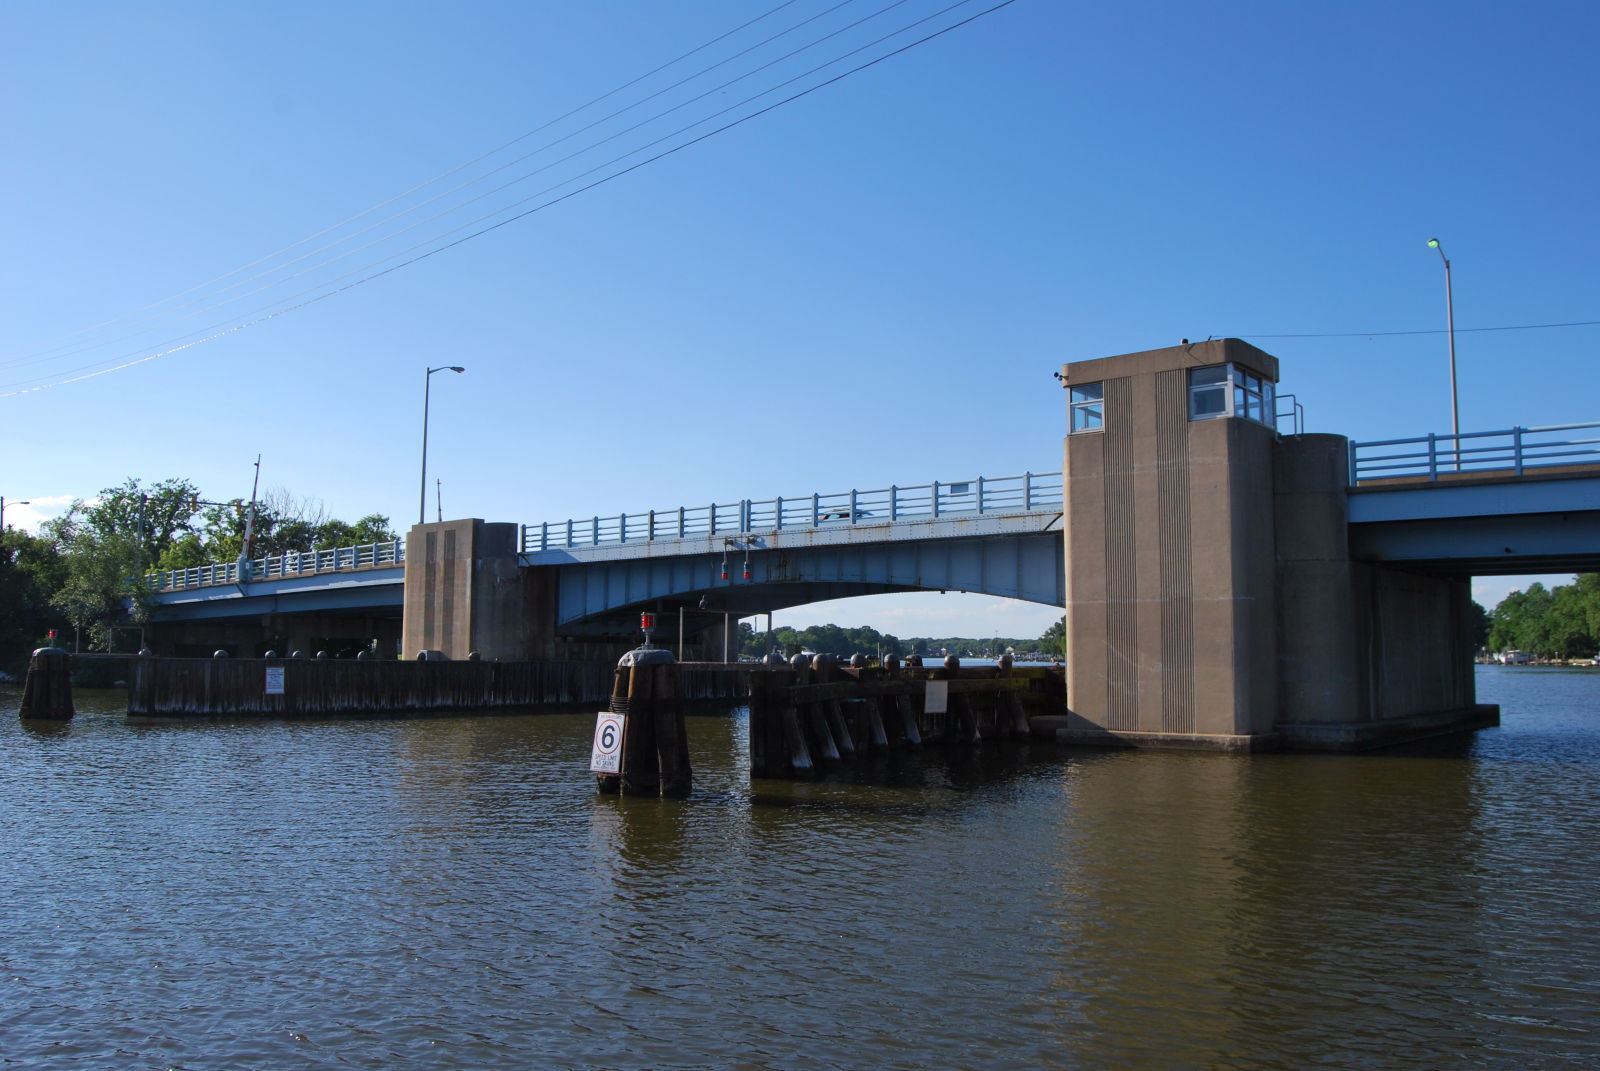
point(1429, 331)
point(597, 175)
point(334, 228)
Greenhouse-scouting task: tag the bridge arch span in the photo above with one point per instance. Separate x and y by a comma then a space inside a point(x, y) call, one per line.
point(599, 597)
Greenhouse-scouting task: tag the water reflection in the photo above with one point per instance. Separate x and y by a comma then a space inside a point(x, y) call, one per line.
point(454, 893)
point(46, 728)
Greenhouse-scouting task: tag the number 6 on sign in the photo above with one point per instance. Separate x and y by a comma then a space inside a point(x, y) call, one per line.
point(607, 757)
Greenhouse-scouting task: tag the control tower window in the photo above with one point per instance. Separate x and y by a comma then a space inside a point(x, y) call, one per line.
point(1088, 407)
point(1229, 390)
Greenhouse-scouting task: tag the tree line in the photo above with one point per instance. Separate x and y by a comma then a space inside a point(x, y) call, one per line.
point(1549, 623)
point(84, 569)
point(844, 642)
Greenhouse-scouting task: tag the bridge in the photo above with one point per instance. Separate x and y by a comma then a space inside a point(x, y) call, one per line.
point(992, 535)
point(1516, 500)
point(1225, 585)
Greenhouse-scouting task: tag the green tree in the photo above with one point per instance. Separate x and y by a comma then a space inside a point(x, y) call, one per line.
point(152, 517)
point(1568, 628)
point(1522, 622)
point(30, 571)
point(1054, 640)
point(106, 544)
point(1479, 625)
point(1588, 587)
point(101, 584)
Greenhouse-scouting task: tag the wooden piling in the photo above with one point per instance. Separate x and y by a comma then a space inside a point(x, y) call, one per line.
point(800, 762)
point(47, 690)
point(655, 745)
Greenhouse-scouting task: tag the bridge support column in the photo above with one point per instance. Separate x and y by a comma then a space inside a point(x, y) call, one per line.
point(1211, 598)
point(464, 592)
point(1368, 653)
point(1170, 576)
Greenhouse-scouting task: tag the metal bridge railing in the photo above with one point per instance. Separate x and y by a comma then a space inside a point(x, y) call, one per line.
point(1511, 452)
point(293, 563)
point(984, 495)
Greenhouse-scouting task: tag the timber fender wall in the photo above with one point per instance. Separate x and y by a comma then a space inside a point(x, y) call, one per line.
point(315, 687)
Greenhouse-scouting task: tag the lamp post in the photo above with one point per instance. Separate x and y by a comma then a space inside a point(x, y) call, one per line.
point(427, 382)
point(15, 502)
point(1450, 329)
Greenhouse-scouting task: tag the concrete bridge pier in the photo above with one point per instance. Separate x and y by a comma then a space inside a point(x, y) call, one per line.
point(465, 591)
point(1211, 598)
point(1368, 654)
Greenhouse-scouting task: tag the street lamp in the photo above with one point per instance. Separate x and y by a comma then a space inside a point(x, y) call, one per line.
point(427, 382)
point(1450, 326)
point(15, 502)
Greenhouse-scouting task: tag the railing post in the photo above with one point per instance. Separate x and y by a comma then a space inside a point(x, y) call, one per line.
point(569, 532)
point(894, 502)
point(595, 532)
point(650, 528)
point(1433, 458)
point(853, 510)
point(1352, 452)
point(816, 517)
point(544, 535)
point(622, 528)
point(1516, 449)
point(778, 507)
point(936, 498)
point(980, 494)
point(1027, 490)
point(680, 522)
point(713, 518)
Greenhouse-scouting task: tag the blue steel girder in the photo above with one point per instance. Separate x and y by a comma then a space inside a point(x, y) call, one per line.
point(1018, 557)
point(1481, 529)
point(377, 591)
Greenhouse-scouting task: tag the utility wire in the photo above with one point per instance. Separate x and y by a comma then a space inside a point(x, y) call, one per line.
point(1430, 331)
point(216, 301)
point(88, 374)
point(332, 228)
point(328, 262)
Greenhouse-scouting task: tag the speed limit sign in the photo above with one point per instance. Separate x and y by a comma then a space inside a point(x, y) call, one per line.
point(607, 756)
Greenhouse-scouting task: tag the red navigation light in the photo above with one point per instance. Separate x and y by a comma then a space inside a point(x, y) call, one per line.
point(747, 571)
point(647, 620)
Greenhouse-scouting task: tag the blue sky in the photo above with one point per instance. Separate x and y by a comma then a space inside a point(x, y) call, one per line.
point(868, 285)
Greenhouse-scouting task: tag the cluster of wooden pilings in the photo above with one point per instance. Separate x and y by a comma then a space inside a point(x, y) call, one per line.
point(647, 691)
point(816, 717)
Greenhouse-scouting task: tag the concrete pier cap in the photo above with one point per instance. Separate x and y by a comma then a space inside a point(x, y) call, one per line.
point(1211, 599)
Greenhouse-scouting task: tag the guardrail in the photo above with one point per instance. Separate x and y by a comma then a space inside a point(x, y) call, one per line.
point(1510, 452)
point(293, 563)
point(982, 495)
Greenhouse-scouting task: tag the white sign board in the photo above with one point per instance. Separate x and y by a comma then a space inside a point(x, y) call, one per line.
point(607, 756)
point(274, 680)
point(938, 698)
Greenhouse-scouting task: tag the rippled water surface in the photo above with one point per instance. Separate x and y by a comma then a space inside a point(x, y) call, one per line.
point(451, 893)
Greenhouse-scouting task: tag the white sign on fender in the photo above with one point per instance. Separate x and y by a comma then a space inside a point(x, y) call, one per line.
point(274, 680)
point(938, 697)
point(607, 757)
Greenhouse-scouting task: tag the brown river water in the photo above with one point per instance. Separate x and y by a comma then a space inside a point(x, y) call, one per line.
point(451, 893)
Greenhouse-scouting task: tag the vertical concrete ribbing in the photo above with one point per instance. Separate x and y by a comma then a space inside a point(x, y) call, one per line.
point(1173, 537)
point(1122, 594)
point(430, 593)
point(449, 608)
